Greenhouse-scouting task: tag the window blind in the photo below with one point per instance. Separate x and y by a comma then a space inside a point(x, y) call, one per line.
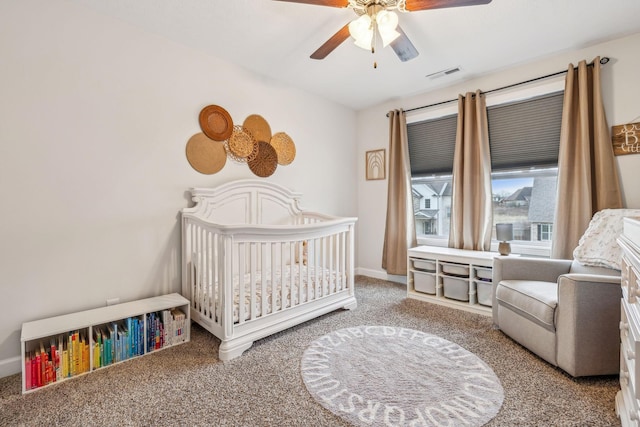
point(521, 134)
point(431, 145)
point(525, 133)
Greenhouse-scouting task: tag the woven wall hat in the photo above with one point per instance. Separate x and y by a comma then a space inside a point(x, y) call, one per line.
point(216, 122)
point(285, 148)
point(204, 155)
point(266, 161)
point(241, 146)
point(258, 126)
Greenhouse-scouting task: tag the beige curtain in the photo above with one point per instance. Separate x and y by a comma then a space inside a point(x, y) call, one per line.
point(400, 230)
point(471, 204)
point(587, 173)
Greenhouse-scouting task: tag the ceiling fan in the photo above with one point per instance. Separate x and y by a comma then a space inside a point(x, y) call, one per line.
point(379, 17)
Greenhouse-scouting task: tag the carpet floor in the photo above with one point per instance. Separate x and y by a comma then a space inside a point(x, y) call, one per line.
point(188, 385)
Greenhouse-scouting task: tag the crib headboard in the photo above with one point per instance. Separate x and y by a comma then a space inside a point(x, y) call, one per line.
point(249, 201)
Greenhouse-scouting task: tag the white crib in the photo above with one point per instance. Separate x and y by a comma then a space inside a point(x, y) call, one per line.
point(255, 263)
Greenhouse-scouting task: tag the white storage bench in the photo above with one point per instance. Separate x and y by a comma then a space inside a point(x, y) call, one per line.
point(454, 277)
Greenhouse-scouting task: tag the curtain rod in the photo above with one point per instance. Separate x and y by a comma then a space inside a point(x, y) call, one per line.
point(603, 61)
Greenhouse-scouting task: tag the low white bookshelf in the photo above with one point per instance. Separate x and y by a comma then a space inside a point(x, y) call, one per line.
point(165, 320)
point(457, 278)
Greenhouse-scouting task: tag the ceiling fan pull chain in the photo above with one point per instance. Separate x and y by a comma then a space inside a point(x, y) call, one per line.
point(374, 38)
point(374, 42)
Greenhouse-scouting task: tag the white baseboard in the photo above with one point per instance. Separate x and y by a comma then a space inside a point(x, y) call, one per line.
point(10, 366)
point(381, 274)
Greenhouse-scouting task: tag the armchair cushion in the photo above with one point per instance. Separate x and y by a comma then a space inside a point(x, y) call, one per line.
point(530, 299)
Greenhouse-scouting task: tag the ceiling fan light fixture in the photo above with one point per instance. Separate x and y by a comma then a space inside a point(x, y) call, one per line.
point(388, 36)
point(387, 23)
point(361, 30)
point(364, 42)
point(387, 20)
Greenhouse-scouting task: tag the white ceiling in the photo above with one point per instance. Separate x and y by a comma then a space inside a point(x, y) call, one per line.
point(275, 39)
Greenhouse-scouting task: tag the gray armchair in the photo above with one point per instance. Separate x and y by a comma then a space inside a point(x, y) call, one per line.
point(563, 311)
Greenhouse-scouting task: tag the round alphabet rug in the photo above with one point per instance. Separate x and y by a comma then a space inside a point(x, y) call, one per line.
point(389, 376)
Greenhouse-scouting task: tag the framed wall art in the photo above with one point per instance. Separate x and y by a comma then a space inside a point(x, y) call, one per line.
point(375, 164)
point(626, 139)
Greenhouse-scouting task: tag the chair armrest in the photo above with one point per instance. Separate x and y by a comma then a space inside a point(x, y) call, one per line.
point(519, 268)
point(588, 315)
point(593, 278)
point(537, 269)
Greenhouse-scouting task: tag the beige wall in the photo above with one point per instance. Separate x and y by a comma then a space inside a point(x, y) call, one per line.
point(94, 118)
point(621, 94)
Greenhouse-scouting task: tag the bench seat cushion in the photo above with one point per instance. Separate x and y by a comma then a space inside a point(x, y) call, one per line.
point(536, 301)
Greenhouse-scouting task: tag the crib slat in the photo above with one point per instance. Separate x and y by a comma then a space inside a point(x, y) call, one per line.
point(340, 267)
point(291, 271)
point(323, 251)
point(194, 262)
point(205, 271)
point(283, 277)
point(210, 284)
point(201, 268)
point(252, 265)
point(299, 265)
point(330, 274)
point(216, 287)
point(241, 284)
point(310, 264)
point(225, 285)
point(263, 280)
point(274, 282)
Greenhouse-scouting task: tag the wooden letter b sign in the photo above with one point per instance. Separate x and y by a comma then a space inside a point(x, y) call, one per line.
point(626, 139)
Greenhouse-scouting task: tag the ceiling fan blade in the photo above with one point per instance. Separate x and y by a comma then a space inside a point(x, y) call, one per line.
point(414, 5)
point(331, 3)
point(403, 47)
point(332, 43)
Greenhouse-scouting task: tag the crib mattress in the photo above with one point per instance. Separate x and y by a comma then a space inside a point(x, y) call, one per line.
point(308, 284)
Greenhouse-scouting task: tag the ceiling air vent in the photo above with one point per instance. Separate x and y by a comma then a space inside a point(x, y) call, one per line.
point(442, 73)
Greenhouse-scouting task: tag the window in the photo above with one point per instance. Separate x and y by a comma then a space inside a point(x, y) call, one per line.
point(544, 231)
point(524, 137)
point(427, 203)
point(429, 227)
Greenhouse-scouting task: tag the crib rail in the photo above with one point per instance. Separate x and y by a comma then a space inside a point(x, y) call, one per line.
point(235, 274)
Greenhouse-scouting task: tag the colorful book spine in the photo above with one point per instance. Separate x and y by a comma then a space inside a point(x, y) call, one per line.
point(27, 371)
point(77, 353)
point(141, 346)
point(60, 348)
point(86, 354)
point(38, 369)
point(65, 362)
point(72, 354)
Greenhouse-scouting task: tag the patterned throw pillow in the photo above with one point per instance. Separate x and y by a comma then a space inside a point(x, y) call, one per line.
point(597, 246)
